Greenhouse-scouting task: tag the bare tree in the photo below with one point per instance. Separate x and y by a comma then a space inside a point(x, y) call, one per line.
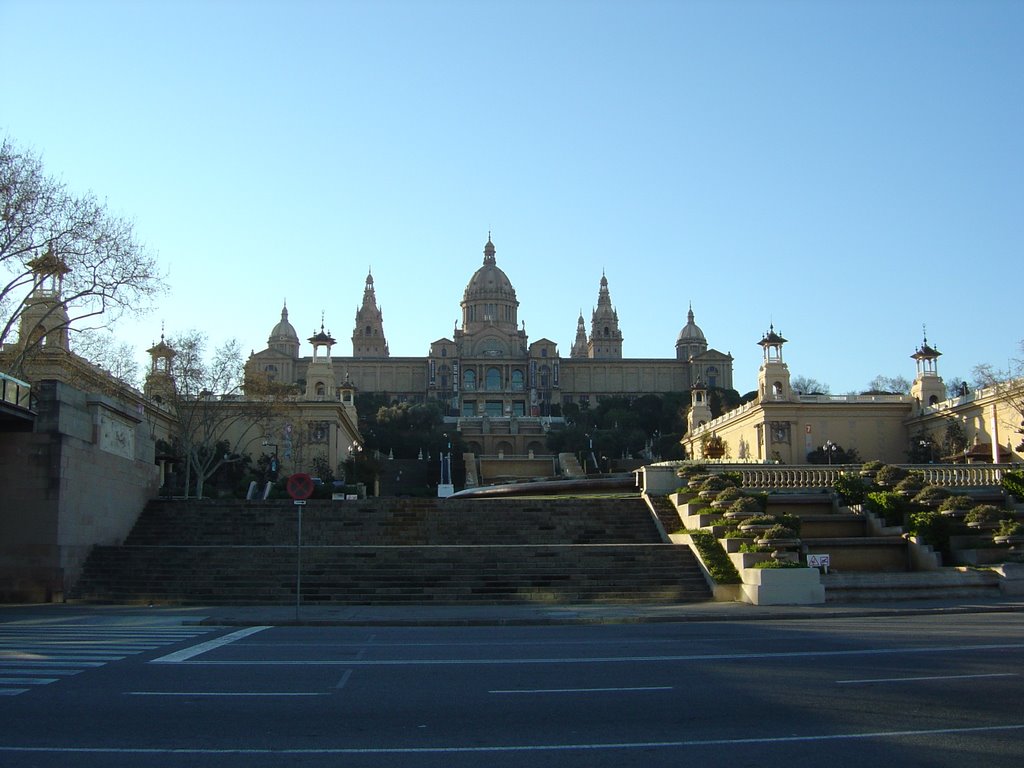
point(49, 233)
point(1008, 384)
point(216, 422)
point(117, 358)
point(808, 386)
point(896, 385)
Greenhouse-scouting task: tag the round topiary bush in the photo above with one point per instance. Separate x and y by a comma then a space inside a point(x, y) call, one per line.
point(726, 496)
point(778, 532)
point(956, 505)
point(985, 515)
point(745, 508)
point(910, 485)
point(931, 496)
point(888, 475)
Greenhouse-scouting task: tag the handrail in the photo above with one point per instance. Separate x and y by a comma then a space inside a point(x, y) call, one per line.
point(16, 392)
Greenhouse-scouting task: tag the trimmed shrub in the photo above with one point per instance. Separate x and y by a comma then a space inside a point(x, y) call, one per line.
point(987, 513)
point(889, 505)
point(1013, 483)
point(956, 503)
point(888, 475)
point(852, 489)
point(931, 496)
point(746, 506)
point(932, 527)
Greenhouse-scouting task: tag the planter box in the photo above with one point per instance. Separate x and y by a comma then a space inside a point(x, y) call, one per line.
point(782, 586)
point(734, 544)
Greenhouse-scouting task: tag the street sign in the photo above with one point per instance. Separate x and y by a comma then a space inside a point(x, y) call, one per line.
point(300, 486)
point(819, 561)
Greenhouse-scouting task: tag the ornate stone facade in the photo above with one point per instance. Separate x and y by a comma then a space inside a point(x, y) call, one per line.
point(497, 386)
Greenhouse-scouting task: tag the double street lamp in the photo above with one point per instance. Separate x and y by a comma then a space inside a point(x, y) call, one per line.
point(830, 449)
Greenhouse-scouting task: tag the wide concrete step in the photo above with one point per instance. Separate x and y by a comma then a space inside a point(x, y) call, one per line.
point(408, 522)
point(944, 583)
point(350, 575)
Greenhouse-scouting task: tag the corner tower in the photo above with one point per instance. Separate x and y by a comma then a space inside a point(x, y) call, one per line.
point(368, 337)
point(605, 336)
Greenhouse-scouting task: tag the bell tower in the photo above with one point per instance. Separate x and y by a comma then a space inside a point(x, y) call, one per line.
point(773, 375)
point(320, 382)
point(44, 320)
point(159, 384)
point(700, 408)
point(928, 387)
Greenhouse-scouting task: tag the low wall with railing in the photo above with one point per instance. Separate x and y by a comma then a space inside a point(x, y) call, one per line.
point(661, 478)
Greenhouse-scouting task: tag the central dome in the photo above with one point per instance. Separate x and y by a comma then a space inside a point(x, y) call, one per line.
point(284, 331)
point(691, 331)
point(489, 282)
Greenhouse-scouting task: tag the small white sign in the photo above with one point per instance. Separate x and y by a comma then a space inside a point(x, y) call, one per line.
point(299, 502)
point(819, 561)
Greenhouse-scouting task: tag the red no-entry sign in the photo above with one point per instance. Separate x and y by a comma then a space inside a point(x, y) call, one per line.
point(300, 486)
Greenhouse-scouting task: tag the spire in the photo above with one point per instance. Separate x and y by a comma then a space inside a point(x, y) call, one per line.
point(579, 346)
point(368, 334)
point(489, 251)
point(605, 336)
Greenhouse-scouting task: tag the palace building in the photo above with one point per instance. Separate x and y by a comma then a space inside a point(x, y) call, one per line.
point(498, 388)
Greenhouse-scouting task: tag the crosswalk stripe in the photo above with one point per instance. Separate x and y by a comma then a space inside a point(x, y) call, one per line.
point(41, 654)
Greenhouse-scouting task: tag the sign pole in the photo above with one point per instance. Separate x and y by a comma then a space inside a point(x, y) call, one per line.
point(298, 561)
point(300, 488)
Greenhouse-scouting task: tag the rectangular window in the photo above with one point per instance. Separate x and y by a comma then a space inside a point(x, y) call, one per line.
point(494, 409)
point(469, 407)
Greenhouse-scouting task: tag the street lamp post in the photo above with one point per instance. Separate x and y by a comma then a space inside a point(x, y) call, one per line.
point(830, 450)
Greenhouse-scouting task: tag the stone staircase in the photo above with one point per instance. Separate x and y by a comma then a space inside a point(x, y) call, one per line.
point(943, 584)
point(392, 551)
point(666, 513)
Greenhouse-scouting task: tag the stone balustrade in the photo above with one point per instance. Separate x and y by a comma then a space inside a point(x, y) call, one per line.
point(661, 478)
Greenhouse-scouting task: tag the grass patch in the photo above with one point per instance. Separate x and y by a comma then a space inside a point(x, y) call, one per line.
point(715, 559)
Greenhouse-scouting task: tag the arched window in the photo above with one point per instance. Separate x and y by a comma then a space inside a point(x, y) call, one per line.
point(493, 379)
point(777, 389)
point(517, 381)
point(469, 380)
point(321, 390)
point(545, 372)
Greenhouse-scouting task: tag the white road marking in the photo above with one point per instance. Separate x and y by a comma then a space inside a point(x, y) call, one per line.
point(591, 747)
point(220, 693)
point(932, 677)
point(586, 690)
point(188, 653)
point(42, 653)
point(344, 679)
point(613, 659)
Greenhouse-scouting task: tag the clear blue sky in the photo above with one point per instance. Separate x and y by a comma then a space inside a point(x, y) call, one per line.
point(848, 171)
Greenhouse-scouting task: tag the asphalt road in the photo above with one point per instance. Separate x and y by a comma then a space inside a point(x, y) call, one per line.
point(103, 689)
